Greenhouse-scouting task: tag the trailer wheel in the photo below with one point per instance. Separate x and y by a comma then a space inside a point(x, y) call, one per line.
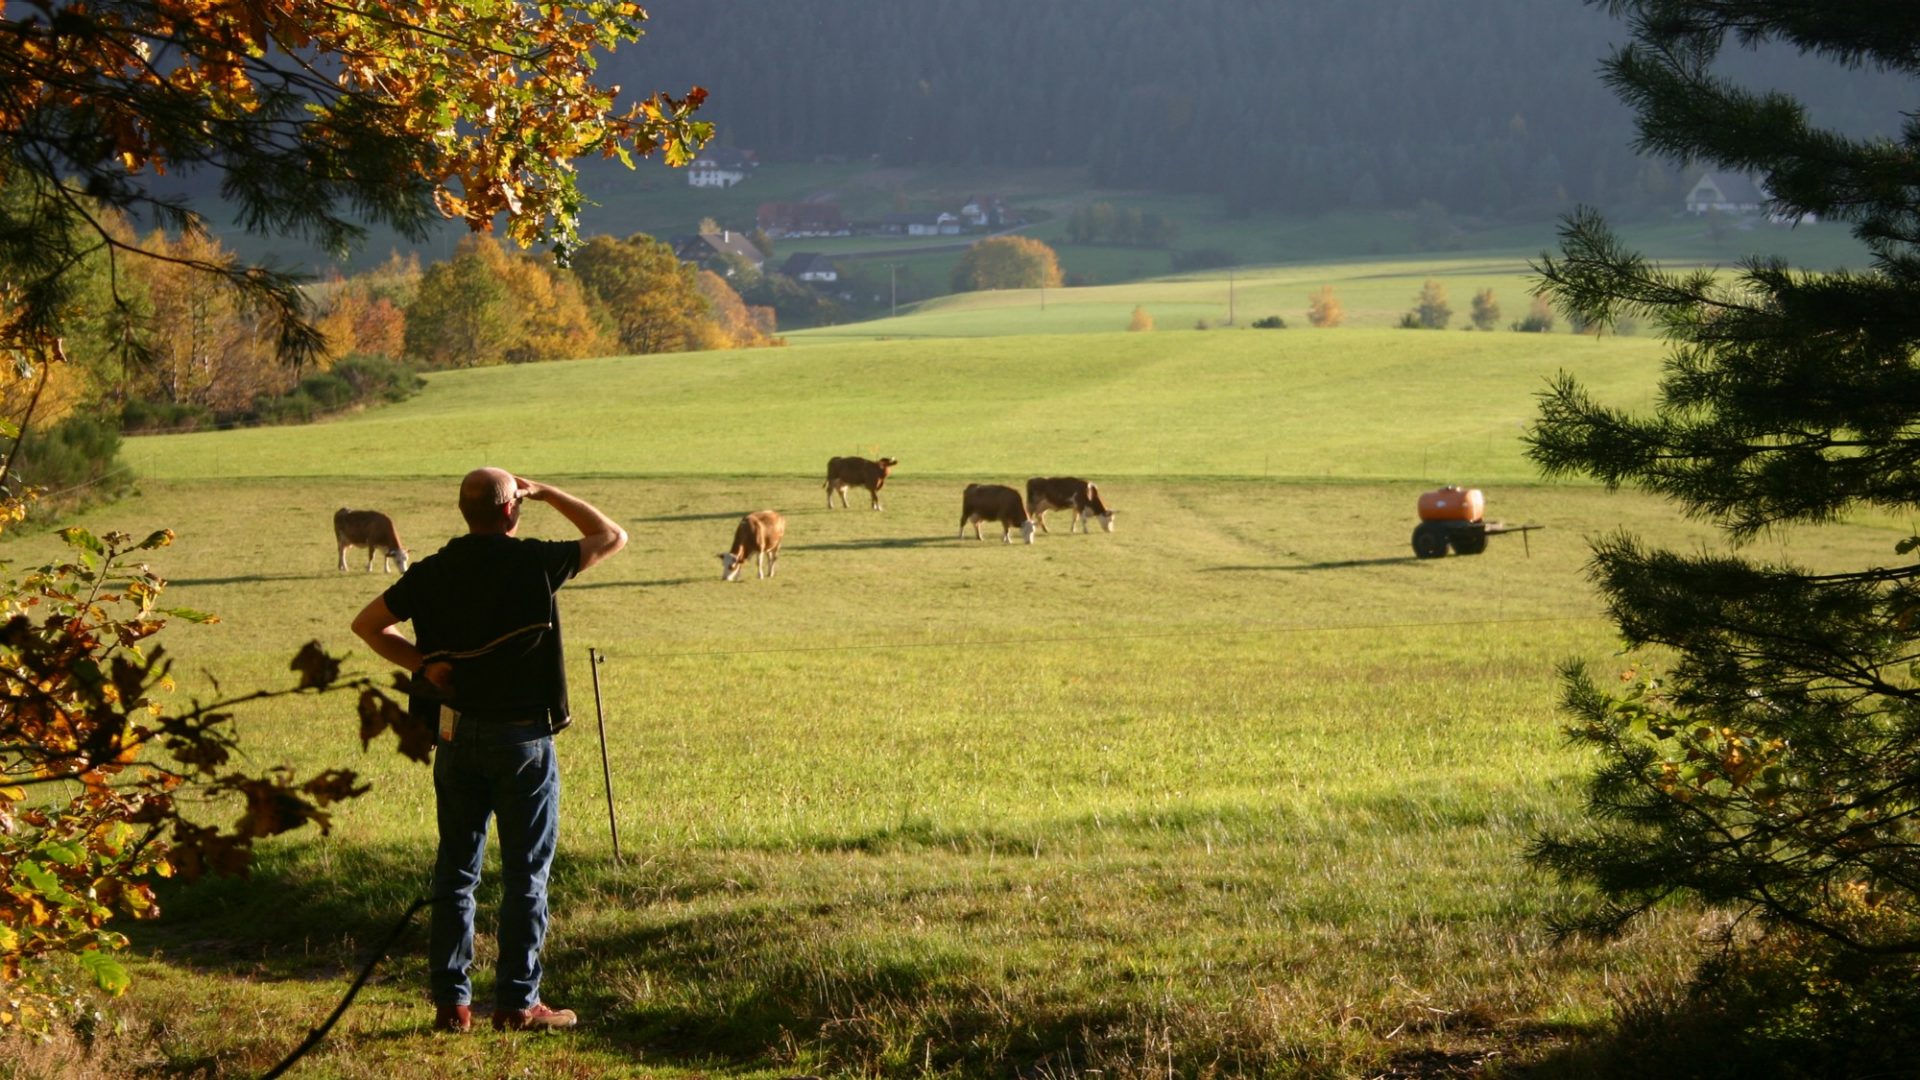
point(1429, 540)
point(1470, 541)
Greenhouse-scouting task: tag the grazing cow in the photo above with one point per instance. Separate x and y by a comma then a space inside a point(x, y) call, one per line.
point(1046, 493)
point(372, 530)
point(757, 537)
point(994, 502)
point(846, 472)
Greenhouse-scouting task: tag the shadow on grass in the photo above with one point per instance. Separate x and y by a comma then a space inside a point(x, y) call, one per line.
point(657, 583)
point(668, 519)
point(756, 982)
point(1775, 1007)
point(699, 970)
point(735, 515)
point(310, 911)
point(1139, 826)
point(871, 544)
point(1339, 564)
point(254, 579)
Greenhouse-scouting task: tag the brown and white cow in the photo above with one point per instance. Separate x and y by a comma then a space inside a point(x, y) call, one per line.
point(846, 472)
point(757, 537)
point(1046, 493)
point(998, 503)
point(372, 530)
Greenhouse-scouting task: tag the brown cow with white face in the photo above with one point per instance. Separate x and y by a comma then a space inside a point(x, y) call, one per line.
point(846, 472)
point(1046, 493)
point(757, 537)
point(998, 503)
point(372, 530)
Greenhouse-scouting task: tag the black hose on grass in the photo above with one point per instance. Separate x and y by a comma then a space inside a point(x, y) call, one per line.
point(379, 954)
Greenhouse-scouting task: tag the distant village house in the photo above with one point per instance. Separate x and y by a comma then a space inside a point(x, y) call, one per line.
point(1726, 193)
point(928, 223)
point(1736, 193)
point(719, 251)
point(810, 267)
point(721, 167)
point(984, 212)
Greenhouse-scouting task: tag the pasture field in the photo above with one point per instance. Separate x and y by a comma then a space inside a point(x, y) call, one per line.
point(1319, 405)
point(1240, 788)
point(1374, 293)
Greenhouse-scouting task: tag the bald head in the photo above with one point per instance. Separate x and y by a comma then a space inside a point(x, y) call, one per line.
point(483, 493)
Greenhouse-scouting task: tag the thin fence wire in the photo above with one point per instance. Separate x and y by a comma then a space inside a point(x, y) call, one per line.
point(1145, 635)
point(14, 485)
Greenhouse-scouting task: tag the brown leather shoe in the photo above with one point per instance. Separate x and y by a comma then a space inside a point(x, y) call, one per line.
point(456, 1019)
point(537, 1017)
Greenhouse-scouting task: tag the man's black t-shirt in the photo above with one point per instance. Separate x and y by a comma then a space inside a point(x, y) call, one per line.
point(485, 603)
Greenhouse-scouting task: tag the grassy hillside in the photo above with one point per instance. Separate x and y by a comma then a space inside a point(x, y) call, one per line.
point(1238, 788)
point(1374, 294)
point(1339, 404)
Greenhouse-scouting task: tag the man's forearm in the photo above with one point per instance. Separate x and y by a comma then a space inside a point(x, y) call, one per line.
point(375, 626)
point(600, 535)
point(582, 514)
point(394, 649)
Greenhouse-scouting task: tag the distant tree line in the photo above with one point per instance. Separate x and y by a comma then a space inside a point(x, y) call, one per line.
point(1487, 106)
point(1103, 223)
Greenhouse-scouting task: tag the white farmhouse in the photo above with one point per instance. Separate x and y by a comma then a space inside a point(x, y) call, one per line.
point(810, 267)
point(1726, 193)
point(1737, 193)
point(721, 167)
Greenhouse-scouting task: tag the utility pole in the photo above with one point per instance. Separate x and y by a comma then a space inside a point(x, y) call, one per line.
point(1229, 296)
point(893, 290)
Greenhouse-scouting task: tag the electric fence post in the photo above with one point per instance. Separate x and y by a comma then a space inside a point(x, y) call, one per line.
point(595, 658)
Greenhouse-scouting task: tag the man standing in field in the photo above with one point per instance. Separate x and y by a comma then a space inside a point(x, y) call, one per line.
point(488, 641)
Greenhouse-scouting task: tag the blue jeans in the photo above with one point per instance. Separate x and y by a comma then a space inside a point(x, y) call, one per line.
point(505, 771)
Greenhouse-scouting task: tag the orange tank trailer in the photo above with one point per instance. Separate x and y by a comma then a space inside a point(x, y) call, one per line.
point(1452, 503)
point(1453, 517)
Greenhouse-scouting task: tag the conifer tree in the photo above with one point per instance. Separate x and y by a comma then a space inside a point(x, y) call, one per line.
point(1773, 764)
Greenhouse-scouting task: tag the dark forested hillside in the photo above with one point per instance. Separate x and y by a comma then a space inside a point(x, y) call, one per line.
point(1309, 105)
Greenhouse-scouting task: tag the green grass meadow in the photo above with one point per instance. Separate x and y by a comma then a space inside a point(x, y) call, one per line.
point(1241, 788)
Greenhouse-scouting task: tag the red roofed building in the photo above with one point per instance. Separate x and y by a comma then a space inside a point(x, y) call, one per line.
point(803, 219)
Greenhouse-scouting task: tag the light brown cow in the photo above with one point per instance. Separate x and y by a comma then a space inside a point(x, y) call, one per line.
point(758, 537)
point(372, 530)
point(998, 503)
point(846, 472)
point(1046, 493)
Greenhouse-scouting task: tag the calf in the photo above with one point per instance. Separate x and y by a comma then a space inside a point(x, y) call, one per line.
point(1046, 493)
point(994, 502)
point(372, 530)
point(846, 472)
point(757, 537)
